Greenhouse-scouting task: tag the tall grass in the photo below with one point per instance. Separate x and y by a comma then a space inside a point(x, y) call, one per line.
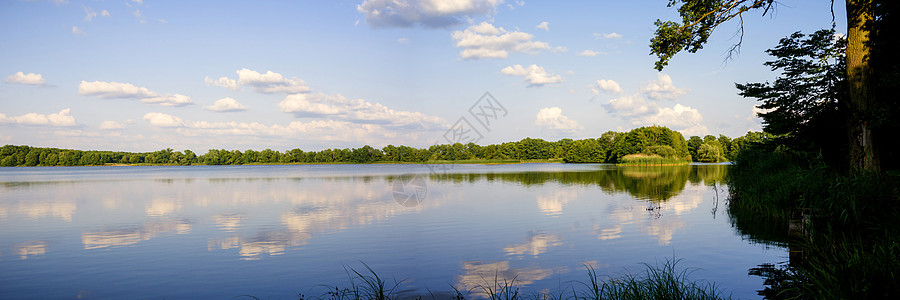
point(850, 243)
point(363, 286)
point(651, 160)
point(660, 281)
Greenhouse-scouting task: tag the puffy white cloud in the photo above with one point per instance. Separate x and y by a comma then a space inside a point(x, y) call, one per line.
point(113, 125)
point(630, 106)
point(638, 111)
point(118, 90)
point(224, 82)
point(698, 130)
point(678, 116)
point(78, 31)
point(552, 118)
point(611, 35)
point(591, 53)
point(604, 85)
point(662, 88)
point(105, 13)
point(402, 40)
point(271, 82)
point(112, 89)
point(163, 120)
point(544, 25)
point(486, 41)
point(268, 82)
point(426, 13)
point(60, 119)
point(226, 104)
point(534, 75)
point(356, 111)
point(29, 79)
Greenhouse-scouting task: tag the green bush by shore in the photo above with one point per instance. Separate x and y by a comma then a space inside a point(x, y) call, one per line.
point(843, 231)
point(651, 160)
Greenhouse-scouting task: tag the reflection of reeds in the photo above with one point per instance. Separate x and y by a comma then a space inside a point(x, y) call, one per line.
point(660, 281)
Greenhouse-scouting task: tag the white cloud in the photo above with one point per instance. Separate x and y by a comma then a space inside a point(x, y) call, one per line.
point(113, 125)
point(77, 31)
point(357, 111)
point(29, 79)
point(552, 118)
point(426, 13)
point(224, 82)
point(486, 41)
point(60, 119)
point(271, 82)
point(104, 13)
point(402, 40)
point(638, 111)
point(534, 75)
point(591, 53)
point(544, 25)
point(89, 13)
point(663, 88)
point(268, 83)
point(604, 85)
point(163, 120)
point(630, 106)
point(699, 130)
point(117, 90)
point(678, 116)
point(611, 35)
point(226, 104)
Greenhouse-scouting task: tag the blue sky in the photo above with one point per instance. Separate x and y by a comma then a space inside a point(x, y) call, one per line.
point(147, 75)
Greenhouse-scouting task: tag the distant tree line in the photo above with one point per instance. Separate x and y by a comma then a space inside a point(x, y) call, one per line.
point(610, 147)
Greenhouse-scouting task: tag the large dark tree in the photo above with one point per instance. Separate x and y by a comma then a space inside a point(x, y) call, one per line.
point(802, 104)
point(866, 27)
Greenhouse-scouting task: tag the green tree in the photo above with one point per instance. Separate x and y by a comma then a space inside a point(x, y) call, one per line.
point(710, 152)
point(693, 145)
point(866, 19)
point(802, 104)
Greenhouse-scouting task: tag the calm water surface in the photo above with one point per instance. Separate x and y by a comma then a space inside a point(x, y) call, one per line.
point(276, 231)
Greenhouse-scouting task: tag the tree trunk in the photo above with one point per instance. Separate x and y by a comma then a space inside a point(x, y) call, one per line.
point(863, 150)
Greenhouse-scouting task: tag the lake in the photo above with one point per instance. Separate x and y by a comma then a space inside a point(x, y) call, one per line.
point(192, 232)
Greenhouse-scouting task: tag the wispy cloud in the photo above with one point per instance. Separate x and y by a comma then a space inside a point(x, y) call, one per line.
point(118, 90)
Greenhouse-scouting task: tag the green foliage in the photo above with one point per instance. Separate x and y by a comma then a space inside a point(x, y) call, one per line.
point(665, 151)
point(640, 140)
point(802, 104)
point(710, 152)
point(650, 160)
point(585, 151)
point(850, 225)
point(610, 147)
point(698, 20)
